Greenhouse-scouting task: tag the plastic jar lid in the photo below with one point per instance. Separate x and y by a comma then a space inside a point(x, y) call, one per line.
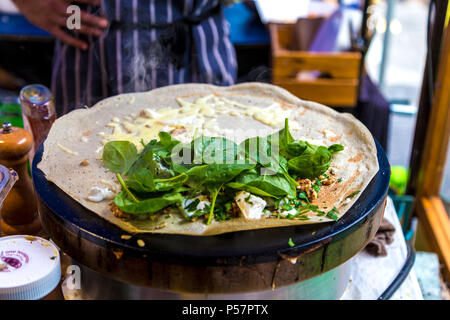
point(30, 267)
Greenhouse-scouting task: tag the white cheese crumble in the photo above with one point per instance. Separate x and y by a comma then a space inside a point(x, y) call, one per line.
point(252, 207)
point(333, 170)
point(97, 194)
point(291, 212)
point(200, 206)
point(347, 200)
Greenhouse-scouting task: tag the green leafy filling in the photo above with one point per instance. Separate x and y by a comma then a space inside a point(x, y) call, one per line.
point(151, 180)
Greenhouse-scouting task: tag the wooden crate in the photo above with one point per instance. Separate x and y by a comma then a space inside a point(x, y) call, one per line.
point(338, 89)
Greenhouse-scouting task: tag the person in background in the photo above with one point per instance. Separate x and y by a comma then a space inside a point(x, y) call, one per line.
point(133, 45)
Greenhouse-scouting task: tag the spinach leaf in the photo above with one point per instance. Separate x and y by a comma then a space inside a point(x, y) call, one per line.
point(256, 150)
point(332, 214)
point(286, 144)
point(204, 150)
point(282, 137)
point(148, 205)
point(259, 150)
point(165, 145)
point(314, 161)
point(275, 185)
point(209, 150)
point(143, 181)
point(335, 148)
point(143, 160)
point(170, 183)
point(249, 188)
point(215, 174)
point(155, 156)
point(118, 156)
point(291, 243)
point(311, 164)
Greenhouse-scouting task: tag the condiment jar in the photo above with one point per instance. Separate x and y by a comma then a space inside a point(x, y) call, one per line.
point(38, 112)
point(30, 268)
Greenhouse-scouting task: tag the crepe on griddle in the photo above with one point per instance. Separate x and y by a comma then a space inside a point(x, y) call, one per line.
point(72, 150)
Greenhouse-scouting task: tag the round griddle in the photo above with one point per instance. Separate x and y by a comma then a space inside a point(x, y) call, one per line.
point(233, 262)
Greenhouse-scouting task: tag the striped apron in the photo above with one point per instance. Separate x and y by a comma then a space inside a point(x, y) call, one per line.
point(136, 52)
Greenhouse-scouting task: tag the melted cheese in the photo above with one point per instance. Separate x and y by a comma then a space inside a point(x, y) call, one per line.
point(67, 150)
point(197, 116)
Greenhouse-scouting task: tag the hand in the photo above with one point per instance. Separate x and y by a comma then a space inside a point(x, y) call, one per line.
point(51, 16)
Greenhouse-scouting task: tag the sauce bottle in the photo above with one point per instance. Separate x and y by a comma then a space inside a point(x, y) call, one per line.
point(38, 112)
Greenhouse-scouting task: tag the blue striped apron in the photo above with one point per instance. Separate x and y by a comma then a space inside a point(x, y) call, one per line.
point(133, 59)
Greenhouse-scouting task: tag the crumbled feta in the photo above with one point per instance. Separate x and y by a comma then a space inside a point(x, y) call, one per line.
point(200, 206)
point(333, 170)
point(97, 194)
point(347, 200)
point(291, 212)
point(252, 207)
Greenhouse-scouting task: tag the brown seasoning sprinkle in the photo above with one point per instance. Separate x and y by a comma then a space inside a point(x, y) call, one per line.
point(84, 163)
point(328, 181)
point(119, 213)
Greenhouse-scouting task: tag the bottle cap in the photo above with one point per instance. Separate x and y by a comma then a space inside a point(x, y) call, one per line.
point(35, 94)
point(30, 267)
point(37, 102)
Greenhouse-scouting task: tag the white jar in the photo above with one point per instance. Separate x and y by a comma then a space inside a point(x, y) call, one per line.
point(30, 267)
